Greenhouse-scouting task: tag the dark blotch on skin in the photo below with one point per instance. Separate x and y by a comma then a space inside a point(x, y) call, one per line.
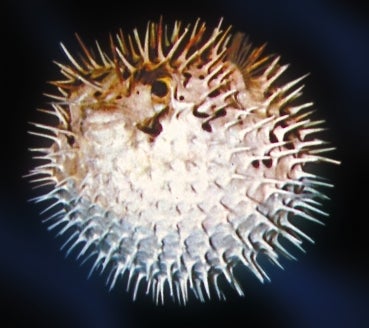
point(255, 164)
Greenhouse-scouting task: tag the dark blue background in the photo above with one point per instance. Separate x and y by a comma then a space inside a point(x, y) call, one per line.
point(327, 287)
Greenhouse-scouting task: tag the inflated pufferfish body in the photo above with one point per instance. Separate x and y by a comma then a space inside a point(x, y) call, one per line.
point(177, 157)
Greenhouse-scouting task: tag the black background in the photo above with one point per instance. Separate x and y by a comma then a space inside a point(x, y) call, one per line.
point(327, 287)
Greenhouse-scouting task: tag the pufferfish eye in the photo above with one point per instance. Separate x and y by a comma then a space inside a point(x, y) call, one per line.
point(159, 88)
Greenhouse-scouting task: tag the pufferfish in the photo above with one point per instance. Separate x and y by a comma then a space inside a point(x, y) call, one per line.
point(177, 156)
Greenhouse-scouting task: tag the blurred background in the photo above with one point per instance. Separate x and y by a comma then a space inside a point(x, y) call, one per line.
point(327, 287)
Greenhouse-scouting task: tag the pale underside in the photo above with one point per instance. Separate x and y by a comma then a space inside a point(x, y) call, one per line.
point(179, 158)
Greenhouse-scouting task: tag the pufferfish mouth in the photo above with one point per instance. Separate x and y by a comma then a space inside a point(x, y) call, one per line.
point(152, 125)
point(178, 157)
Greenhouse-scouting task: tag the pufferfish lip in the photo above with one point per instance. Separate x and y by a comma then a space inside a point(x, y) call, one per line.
point(152, 125)
point(179, 157)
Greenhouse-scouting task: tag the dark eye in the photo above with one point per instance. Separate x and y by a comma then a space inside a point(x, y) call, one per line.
point(159, 88)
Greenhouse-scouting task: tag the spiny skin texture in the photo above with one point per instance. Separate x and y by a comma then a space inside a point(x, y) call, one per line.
point(177, 157)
